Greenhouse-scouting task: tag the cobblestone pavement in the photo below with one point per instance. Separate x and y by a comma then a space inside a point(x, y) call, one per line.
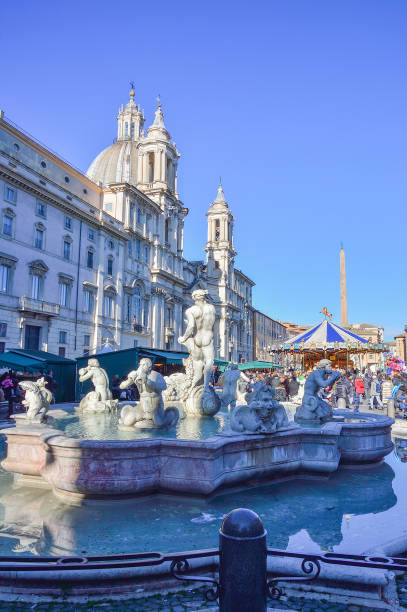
point(181, 601)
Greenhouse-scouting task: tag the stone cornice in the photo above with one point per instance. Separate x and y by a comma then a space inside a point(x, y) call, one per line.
point(68, 207)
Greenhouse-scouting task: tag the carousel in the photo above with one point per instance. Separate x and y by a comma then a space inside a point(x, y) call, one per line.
point(328, 341)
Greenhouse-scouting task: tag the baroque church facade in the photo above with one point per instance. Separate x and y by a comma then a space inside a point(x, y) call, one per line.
point(95, 260)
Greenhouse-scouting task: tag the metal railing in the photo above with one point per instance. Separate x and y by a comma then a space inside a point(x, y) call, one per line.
point(243, 584)
point(31, 305)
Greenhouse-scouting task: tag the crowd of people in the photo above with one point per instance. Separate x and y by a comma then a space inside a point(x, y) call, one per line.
point(354, 387)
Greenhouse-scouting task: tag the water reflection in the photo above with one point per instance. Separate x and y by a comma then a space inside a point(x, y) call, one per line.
point(400, 448)
point(34, 522)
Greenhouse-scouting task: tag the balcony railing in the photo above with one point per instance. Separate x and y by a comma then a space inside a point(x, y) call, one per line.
point(140, 329)
point(30, 305)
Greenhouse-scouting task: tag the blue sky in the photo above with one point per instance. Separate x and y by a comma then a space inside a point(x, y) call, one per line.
point(300, 106)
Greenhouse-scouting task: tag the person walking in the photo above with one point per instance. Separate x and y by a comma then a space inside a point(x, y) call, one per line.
point(375, 393)
point(8, 389)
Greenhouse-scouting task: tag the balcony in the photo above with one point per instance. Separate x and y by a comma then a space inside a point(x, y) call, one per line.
point(140, 329)
point(39, 306)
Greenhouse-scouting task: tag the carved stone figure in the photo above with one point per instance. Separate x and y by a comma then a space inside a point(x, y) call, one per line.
point(99, 400)
point(37, 399)
point(262, 415)
point(231, 392)
point(175, 387)
point(313, 408)
point(149, 411)
point(198, 397)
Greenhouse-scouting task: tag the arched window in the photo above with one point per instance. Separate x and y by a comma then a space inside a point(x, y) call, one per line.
point(132, 131)
point(150, 167)
point(137, 306)
point(168, 171)
point(217, 229)
point(167, 230)
point(126, 130)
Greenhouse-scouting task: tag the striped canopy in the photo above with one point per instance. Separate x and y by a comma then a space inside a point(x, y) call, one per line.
point(325, 335)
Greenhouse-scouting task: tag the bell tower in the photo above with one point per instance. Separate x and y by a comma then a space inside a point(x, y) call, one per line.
point(219, 247)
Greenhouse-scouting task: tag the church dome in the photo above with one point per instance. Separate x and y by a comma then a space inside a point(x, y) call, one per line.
point(115, 164)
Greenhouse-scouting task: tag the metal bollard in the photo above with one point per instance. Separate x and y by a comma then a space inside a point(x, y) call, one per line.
point(390, 409)
point(242, 563)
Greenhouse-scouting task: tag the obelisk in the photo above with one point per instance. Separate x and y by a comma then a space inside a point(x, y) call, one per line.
point(344, 297)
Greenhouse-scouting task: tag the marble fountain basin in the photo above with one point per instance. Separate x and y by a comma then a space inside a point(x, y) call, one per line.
point(80, 468)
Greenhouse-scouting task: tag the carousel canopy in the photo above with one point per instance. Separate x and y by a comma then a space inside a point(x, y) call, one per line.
point(325, 335)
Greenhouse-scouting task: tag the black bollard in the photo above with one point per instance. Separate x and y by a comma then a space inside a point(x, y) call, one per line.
point(242, 563)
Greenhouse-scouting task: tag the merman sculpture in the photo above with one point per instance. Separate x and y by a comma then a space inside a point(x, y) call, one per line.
point(314, 409)
point(198, 397)
point(99, 400)
point(233, 392)
point(149, 411)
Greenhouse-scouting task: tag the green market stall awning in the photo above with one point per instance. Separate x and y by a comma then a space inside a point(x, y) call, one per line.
point(63, 369)
point(20, 363)
point(170, 357)
point(258, 365)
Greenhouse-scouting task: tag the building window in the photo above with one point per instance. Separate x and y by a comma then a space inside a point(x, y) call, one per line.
point(89, 259)
point(217, 229)
point(43, 164)
point(132, 131)
point(167, 230)
point(10, 194)
point(131, 213)
point(8, 225)
point(128, 308)
point(67, 179)
point(36, 286)
point(139, 216)
point(68, 223)
point(110, 266)
point(64, 294)
point(85, 191)
point(91, 234)
point(3, 330)
point(150, 167)
point(148, 223)
point(146, 309)
point(89, 301)
point(61, 351)
point(137, 312)
point(4, 278)
point(168, 171)
point(126, 130)
point(41, 209)
point(63, 337)
point(108, 305)
point(2, 347)
point(146, 254)
point(129, 248)
point(108, 207)
point(67, 249)
point(86, 340)
point(16, 146)
point(138, 249)
point(110, 244)
point(39, 239)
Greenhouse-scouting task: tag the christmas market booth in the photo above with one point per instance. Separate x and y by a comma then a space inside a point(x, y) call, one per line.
point(328, 341)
